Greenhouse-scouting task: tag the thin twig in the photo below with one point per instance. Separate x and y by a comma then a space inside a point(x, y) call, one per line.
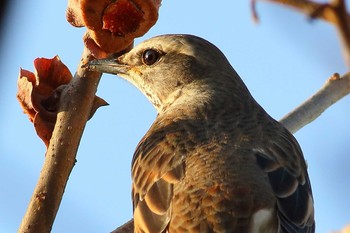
point(334, 12)
point(127, 227)
point(309, 8)
point(333, 90)
point(74, 110)
point(342, 23)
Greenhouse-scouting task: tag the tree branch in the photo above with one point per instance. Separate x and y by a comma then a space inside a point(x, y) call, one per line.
point(333, 90)
point(334, 12)
point(74, 110)
point(309, 8)
point(127, 227)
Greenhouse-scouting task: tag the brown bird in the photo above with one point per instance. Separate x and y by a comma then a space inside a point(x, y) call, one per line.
point(213, 160)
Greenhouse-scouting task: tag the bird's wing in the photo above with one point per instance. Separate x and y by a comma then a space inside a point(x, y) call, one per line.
point(281, 158)
point(156, 166)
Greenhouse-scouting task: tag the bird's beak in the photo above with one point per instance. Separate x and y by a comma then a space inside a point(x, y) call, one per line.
point(111, 66)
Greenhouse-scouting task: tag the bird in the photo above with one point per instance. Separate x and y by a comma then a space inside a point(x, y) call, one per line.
point(213, 160)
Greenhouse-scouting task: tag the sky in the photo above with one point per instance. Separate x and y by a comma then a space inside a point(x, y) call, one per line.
point(283, 60)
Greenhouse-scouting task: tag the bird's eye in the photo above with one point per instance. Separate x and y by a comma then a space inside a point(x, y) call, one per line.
point(150, 56)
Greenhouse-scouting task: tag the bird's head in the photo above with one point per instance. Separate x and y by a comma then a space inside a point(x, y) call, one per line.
point(167, 67)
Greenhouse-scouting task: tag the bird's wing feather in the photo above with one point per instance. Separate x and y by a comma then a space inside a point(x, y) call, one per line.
point(152, 214)
point(156, 167)
point(281, 158)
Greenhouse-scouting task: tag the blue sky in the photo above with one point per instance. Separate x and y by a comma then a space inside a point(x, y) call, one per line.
point(283, 60)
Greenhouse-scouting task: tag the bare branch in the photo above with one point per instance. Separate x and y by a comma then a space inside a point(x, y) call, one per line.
point(60, 157)
point(333, 90)
point(334, 12)
point(127, 227)
point(309, 8)
point(342, 23)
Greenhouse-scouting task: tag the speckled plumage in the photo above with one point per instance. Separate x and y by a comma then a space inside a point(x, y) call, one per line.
point(213, 160)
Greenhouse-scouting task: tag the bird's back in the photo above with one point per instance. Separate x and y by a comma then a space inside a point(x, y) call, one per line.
point(219, 185)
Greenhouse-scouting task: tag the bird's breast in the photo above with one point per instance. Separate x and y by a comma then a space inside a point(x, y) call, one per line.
point(223, 190)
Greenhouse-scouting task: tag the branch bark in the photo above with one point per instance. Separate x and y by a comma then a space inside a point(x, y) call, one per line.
point(127, 227)
point(74, 110)
point(333, 90)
